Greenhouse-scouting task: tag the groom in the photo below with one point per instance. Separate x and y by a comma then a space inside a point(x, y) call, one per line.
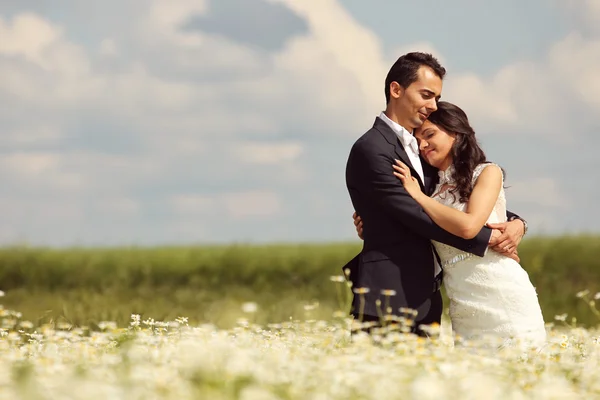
point(398, 264)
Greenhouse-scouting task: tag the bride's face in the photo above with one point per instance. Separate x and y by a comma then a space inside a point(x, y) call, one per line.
point(435, 145)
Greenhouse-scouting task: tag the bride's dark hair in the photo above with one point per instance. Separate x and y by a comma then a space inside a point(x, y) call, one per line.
point(466, 153)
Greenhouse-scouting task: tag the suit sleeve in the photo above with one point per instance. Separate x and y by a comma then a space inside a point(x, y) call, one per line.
point(510, 215)
point(387, 190)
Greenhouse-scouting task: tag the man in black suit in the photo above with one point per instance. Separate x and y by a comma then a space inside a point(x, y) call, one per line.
point(397, 264)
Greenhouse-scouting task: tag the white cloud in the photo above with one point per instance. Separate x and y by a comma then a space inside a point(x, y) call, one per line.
point(187, 231)
point(575, 62)
point(542, 202)
point(119, 206)
point(192, 204)
point(543, 223)
point(478, 97)
point(108, 47)
point(541, 192)
point(165, 17)
point(345, 42)
point(26, 213)
point(28, 35)
point(424, 47)
point(268, 153)
point(256, 203)
point(39, 170)
point(42, 43)
point(348, 77)
point(236, 205)
point(588, 11)
point(30, 164)
point(549, 97)
point(24, 136)
point(39, 67)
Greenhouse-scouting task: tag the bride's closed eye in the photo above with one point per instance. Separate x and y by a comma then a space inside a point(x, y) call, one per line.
point(424, 136)
point(428, 134)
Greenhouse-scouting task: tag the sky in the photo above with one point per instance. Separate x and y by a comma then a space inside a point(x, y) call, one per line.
point(146, 122)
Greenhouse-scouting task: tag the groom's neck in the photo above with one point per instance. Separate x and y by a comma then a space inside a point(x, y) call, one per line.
point(389, 112)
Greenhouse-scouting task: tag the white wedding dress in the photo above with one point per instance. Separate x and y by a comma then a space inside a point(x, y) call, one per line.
point(490, 296)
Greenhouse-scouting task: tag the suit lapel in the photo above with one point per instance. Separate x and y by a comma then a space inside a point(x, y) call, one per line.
point(393, 140)
point(431, 176)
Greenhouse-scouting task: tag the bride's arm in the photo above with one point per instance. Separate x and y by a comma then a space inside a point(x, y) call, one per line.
point(481, 203)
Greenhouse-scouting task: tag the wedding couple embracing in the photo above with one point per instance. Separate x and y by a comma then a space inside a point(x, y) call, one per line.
point(431, 208)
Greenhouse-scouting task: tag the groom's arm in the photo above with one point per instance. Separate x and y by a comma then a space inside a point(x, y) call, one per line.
point(378, 180)
point(511, 216)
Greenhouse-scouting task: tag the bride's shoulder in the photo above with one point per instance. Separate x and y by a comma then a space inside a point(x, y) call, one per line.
point(480, 167)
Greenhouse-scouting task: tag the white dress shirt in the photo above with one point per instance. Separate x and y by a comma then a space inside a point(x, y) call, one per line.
point(412, 149)
point(408, 141)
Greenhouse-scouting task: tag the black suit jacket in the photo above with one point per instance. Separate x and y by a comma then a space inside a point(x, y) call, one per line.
point(397, 251)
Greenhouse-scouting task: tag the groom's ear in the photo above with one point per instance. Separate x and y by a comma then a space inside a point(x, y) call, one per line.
point(396, 91)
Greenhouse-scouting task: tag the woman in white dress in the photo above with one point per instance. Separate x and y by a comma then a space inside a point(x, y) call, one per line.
point(490, 295)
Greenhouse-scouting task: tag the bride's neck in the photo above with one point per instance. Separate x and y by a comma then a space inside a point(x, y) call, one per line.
point(445, 164)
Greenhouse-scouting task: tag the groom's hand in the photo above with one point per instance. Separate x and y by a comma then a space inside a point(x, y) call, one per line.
point(358, 224)
point(510, 236)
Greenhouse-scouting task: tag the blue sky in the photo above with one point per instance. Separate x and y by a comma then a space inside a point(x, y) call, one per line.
point(197, 121)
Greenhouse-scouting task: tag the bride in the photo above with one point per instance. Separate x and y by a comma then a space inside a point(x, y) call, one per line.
point(489, 296)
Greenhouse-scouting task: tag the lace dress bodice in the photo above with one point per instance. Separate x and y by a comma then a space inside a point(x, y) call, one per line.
point(443, 194)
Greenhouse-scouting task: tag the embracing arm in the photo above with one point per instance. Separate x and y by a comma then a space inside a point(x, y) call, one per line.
point(481, 203)
point(511, 215)
point(521, 230)
point(391, 195)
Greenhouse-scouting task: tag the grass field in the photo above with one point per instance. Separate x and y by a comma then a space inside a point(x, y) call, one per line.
point(208, 284)
point(258, 322)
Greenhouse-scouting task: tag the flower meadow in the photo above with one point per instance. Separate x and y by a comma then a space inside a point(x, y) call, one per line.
point(294, 359)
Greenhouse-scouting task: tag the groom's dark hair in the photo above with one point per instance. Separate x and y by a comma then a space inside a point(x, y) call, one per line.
point(404, 71)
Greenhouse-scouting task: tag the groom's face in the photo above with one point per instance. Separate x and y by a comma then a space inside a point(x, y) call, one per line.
point(419, 99)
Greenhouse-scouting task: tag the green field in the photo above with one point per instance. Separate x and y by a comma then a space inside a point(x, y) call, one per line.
point(59, 347)
point(209, 284)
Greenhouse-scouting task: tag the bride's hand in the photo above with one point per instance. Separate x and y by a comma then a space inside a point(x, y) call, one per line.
point(410, 183)
point(508, 251)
